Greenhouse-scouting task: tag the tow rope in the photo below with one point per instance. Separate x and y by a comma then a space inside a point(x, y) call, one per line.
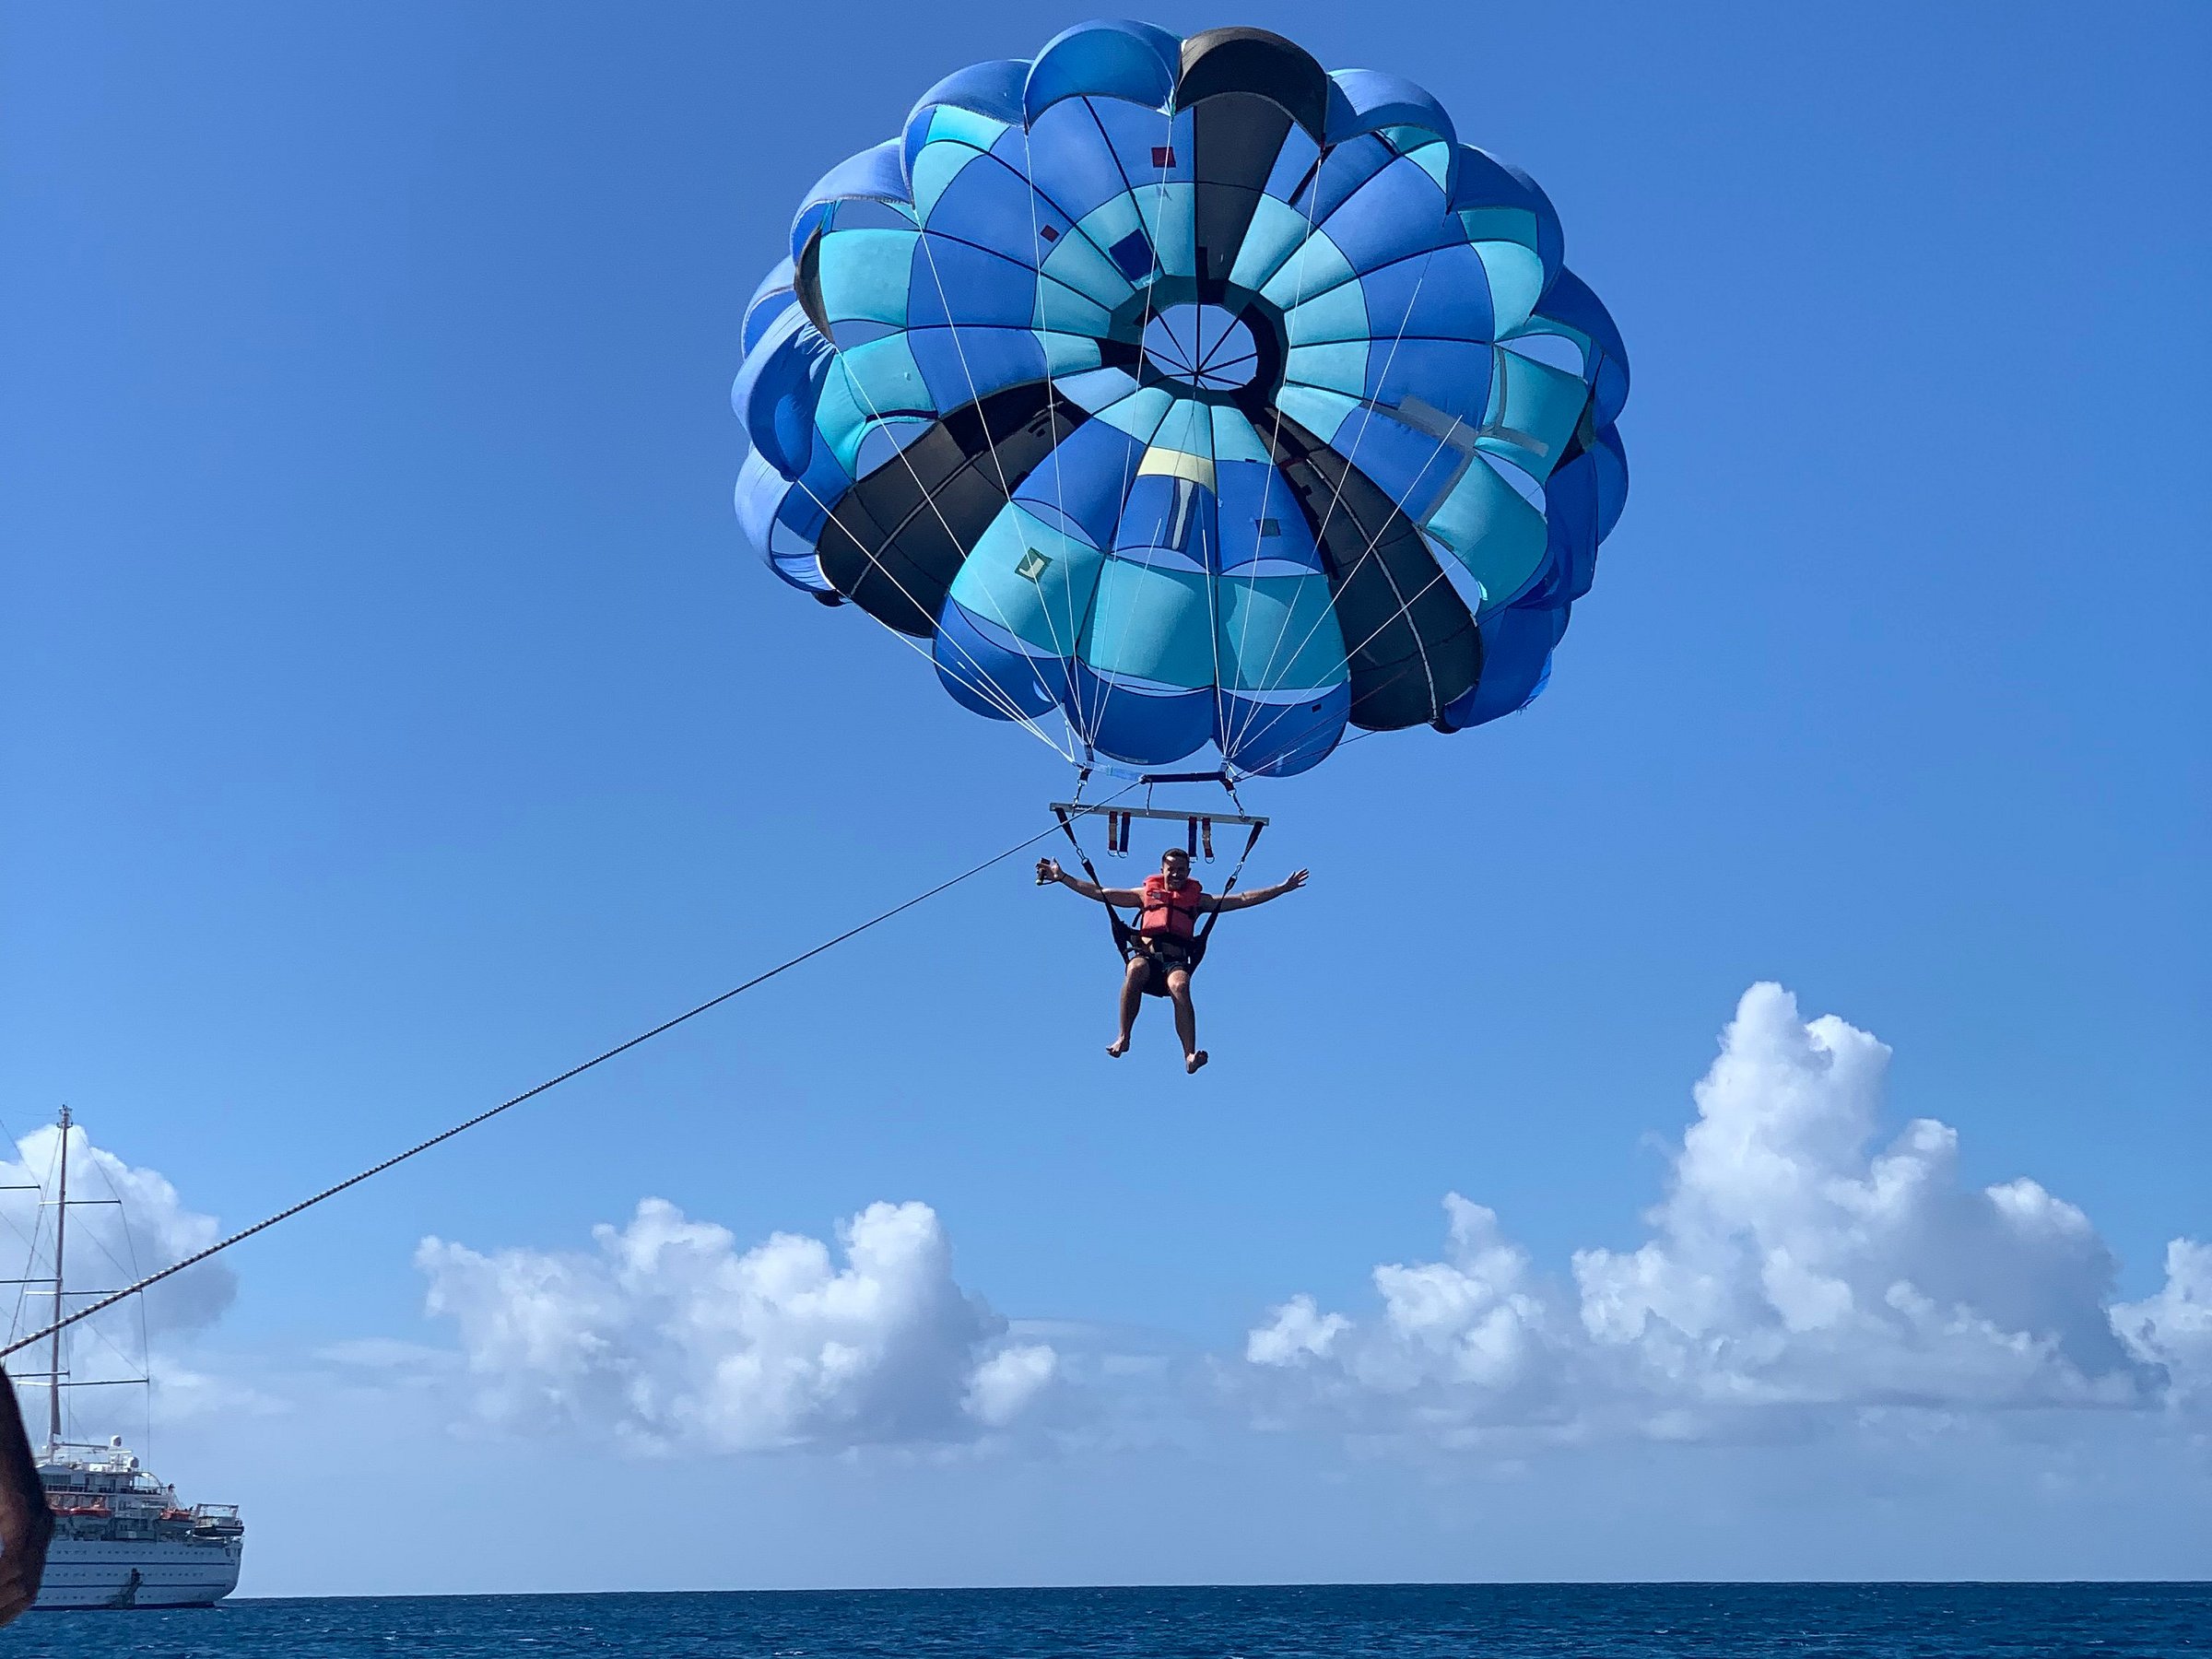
point(110, 1299)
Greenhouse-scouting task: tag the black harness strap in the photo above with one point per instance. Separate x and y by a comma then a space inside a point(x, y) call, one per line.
point(1198, 940)
point(1126, 938)
point(1123, 934)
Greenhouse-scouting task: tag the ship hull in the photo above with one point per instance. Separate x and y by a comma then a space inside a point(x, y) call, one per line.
point(100, 1573)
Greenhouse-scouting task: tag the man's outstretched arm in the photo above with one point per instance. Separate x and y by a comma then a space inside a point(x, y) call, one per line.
point(1245, 900)
point(1049, 871)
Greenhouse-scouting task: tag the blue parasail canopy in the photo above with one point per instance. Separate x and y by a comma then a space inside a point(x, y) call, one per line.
point(1193, 393)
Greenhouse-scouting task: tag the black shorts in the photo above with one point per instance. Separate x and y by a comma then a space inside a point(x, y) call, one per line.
point(1165, 955)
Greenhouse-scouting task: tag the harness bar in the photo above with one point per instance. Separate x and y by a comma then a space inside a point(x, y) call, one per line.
point(1161, 813)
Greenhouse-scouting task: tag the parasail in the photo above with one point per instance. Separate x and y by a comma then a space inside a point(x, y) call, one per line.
point(1185, 393)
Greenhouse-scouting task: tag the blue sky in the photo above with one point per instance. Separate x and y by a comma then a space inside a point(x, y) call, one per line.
point(393, 714)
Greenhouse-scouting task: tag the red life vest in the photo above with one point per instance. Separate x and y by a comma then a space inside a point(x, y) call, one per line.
point(1169, 913)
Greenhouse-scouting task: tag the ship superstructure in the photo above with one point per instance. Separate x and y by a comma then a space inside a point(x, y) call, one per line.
point(121, 1537)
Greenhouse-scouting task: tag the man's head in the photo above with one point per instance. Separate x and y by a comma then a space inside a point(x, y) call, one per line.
point(1176, 864)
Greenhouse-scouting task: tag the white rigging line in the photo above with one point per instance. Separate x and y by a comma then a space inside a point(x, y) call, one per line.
point(983, 685)
point(1005, 486)
point(987, 688)
point(1336, 495)
point(1052, 392)
point(1236, 738)
point(1109, 679)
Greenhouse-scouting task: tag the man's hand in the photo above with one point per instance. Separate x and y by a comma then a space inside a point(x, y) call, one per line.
point(1047, 872)
point(1236, 901)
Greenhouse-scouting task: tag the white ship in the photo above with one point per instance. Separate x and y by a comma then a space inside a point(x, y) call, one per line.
point(121, 1537)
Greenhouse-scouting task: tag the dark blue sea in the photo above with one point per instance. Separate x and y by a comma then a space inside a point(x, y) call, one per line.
point(1495, 1621)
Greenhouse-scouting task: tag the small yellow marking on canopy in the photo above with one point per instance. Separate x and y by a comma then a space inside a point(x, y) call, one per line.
point(1178, 464)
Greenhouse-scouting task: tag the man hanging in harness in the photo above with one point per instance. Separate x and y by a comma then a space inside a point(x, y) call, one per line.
point(1167, 942)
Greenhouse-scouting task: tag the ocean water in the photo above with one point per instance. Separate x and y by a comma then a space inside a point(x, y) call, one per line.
point(1406, 1621)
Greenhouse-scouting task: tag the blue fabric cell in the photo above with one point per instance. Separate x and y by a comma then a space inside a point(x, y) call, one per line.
point(1372, 100)
point(777, 390)
point(1186, 397)
point(1085, 481)
point(1069, 160)
point(874, 174)
point(1569, 301)
point(1280, 739)
point(993, 90)
point(1134, 62)
point(961, 366)
point(1140, 724)
point(992, 205)
point(1142, 141)
point(1449, 377)
point(1570, 532)
point(957, 282)
point(1166, 522)
point(769, 301)
point(1480, 180)
point(989, 672)
point(1343, 169)
point(1517, 660)
point(1261, 527)
point(1133, 255)
point(1397, 213)
point(1611, 462)
point(1413, 468)
point(1443, 293)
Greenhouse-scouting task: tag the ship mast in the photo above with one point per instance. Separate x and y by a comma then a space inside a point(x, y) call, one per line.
point(58, 1289)
point(53, 1359)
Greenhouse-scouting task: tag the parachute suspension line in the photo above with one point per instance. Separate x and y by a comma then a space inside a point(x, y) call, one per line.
point(998, 464)
point(988, 689)
point(198, 1256)
point(1066, 652)
point(952, 330)
point(1418, 593)
point(1350, 461)
point(1251, 840)
point(1122, 932)
point(1274, 444)
point(1405, 603)
point(982, 685)
point(1110, 678)
point(1214, 550)
point(1117, 825)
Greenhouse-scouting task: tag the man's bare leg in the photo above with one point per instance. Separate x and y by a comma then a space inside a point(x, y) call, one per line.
point(1186, 1018)
point(1132, 996)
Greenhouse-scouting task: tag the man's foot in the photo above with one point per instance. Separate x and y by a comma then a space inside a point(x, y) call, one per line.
point(1117, 1048)
point(1191, 1063)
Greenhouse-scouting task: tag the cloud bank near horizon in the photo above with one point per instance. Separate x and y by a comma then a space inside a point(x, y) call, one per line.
point(1800, 1275)
point(670, 1337)
point(1792, 1281)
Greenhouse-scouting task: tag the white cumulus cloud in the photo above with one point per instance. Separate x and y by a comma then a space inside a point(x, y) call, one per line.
point(132, 1224)
point(1794, 1270)
point(110, 1244)
point(2173, 1329)
point(670, 1336)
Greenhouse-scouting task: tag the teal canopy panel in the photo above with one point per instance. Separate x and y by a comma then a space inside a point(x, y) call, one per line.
point(1198, 396)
